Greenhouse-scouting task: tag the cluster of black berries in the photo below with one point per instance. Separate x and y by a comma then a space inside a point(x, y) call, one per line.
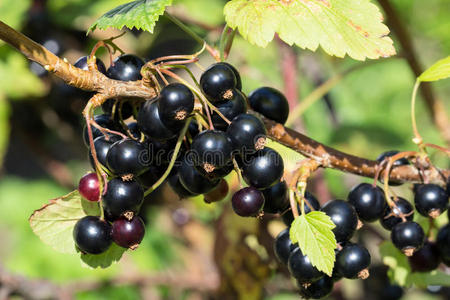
point(136, 154)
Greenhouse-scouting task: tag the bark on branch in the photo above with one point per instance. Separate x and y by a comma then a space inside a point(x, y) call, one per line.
point(96, 81)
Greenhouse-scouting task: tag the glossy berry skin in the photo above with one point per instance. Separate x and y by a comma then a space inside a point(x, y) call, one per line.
point(178, 188)
point(194, 180)
point(128, 233)
point(150, 122)
point(408, 236)
point(216, 81)
point(126, 67)
point(102, 146)
point(126, 156)
point(229, 109)
point(430, 200)
point(247, 133)
point(288, 217)
point(92, 235)
point(301, 268)
point(317, 289)
point(218, 193)
point(271, 103)
point(443, 243)
point(388, 220)
point(344, 217)
point(351, 260)
point(387, 154)
point(283, 246)
point(247, 202)
point(123, 197)
point(426, 259)
point(175, 104)
point(368, 201)
point(103, 120)
point(276, 198)
point(236, 74)
point(211, 149)
point(81, 63)
point(89, 187)
point(263, 169)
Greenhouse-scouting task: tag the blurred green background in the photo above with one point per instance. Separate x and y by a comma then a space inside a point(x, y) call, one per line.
point(42, 155)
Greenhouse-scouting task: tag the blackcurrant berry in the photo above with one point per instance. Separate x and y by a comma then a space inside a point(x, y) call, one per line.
point(430, 200)
point(283, 246)
point(399, 162)
point(218, 193)
point(248, 202)
point(102, 144)
point(276, 198)
point(113, 107)
point(408, 237)
point(426, 259)
point(317, 289)
point(263, 169)
point(81, 63)
point(344, 217)
point(178, 188)
point(352, 261)
point(392, 216)
point(194, 180)
point(126, 157)
point(236, 73)
point(221, 172)
point(123, 198)
point(271, 103)
point(301, 268)
point(211, 149)
point(92, 235)
point(368, 201)
point(150, 123)
point(175, 104)
point(443, 243)
point(102, 120)
point(218, 82)
point(229, 109)
point(89, 187)
point(128, 233)
point(126, 67)
point(134, 130)
point(151, 175)
point(288, 217)
point(247, 133)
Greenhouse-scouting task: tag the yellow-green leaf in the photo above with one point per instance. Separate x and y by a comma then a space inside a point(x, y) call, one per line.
point(314, 234)
point(340, 27)
point(440, 70)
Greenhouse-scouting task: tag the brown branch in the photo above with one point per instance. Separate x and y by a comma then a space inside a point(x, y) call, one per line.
point(95, 81)
point(434, 105)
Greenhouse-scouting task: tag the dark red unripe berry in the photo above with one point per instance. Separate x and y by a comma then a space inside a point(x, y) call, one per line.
point(248, 202)
point(408, 237)
point(218, 82)
point(89, 187)
point(126, 67)
point(301, 268)
point(430, 200)
point(392, 217)
point(426, 259)
point(271, 103)
point(128, 233)
point(368, 201)
point(344, 216)
point(352, 261)
point(92, 235)
point(263, 169)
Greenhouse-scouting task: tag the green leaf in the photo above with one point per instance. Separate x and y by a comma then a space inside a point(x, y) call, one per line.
point(340, 27)
point(314, 235)
point(440, 70)
point(141, 14)
point(4, 126)
point(13, 12)
point(105, 259)
point(54, 222)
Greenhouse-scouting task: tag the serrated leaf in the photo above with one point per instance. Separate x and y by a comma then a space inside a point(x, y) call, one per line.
point(314, 235)
point(105, 259)
point(340, 27)
point(54, 222)
point(439, 70)
point(141, 14)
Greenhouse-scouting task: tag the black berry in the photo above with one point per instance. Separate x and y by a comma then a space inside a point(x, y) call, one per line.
point(218, 82)
point(399, 162)
point(102, 120)
point(218, 193)
point(229, 109)
point(102, 144)
point(89, 187)
point(175, 104)
point(352, 261)
point(92, 235)
point(247, 133)
point(194, 180)
point(443, 243)
point(426, 259)
point(150, 122)
point(408, 237)
point(344, 217)
point(247, 202)
point(236, 73)
point(317, 289)
point(283, 246)
point(392, 217)
point(276, 198)
point(263, 169)
point(301, 268)
point(118, 109)
point(430, 200)
point(123, 198)
point(128, 233)
point(271, 103)
point(178, 188)
point(82, 64)
point(211, 149)
point(369, 201)
point(126, 67)
point(126, 157)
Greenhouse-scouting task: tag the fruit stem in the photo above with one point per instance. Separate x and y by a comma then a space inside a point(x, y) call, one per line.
point(226, 41)
point(417, 138)
point(238, 172)
point(293, 203)
point(172, 159)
